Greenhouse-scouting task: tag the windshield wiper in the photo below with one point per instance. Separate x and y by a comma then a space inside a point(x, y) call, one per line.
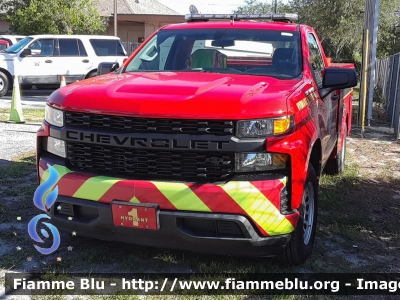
point(213, 70)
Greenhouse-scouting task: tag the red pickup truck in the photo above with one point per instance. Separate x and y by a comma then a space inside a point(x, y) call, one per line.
point(211, 137)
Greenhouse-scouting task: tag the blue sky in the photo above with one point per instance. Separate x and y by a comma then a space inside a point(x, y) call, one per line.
point(205, 6)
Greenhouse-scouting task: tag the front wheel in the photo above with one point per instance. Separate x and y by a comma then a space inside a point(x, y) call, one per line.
point(301, 243)
point(4, 84)
point(91, 74)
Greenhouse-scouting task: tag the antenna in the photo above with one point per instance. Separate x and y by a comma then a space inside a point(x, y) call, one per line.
point(193, 9)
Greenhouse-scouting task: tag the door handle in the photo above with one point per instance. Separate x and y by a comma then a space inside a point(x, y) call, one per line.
point(48, 61)
point(335, 97)
point(85, 60)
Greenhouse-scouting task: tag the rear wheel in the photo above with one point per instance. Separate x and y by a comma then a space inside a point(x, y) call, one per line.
point(301, 243)
point(4, 84)
point(336, 166)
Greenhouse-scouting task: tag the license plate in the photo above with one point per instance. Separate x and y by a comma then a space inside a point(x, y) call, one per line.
point(143, 216)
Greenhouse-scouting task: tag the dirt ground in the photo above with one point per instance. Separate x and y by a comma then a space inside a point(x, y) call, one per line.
point(359, 229)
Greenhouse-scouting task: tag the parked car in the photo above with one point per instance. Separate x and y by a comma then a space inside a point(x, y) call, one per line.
point(11, 39)
point(42, 60)
point(4, 45)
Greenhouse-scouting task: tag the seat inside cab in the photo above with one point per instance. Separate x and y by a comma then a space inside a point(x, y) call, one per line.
point(207, 58)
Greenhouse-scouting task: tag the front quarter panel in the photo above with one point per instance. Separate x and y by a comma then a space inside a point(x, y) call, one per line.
point(299, 143)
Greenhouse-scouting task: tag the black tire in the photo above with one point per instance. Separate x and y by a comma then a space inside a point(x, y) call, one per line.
point(4, 84)
point(336, 166)
point(91, 74)
point(301, 243)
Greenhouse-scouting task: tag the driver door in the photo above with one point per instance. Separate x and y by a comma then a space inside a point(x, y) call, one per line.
point(39, 67)
point(328, 106)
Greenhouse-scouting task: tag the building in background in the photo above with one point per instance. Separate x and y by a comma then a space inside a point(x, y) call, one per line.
point(137, 19)
point(204, 6)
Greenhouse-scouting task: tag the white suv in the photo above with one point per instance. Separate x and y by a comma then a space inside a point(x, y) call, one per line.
point(42, 59)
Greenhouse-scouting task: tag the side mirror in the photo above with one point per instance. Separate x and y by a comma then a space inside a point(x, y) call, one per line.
point(107, 67)
point(339, 78)
point(26, 52)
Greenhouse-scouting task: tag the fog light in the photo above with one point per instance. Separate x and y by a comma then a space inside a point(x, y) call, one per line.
point(250, 162)
point(56, 146)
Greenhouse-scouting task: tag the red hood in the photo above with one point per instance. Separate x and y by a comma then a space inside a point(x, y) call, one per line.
point(178, 95)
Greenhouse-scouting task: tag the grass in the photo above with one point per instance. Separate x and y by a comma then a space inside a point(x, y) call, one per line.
point(386, 172)
point(333, 189)
point(330, 194)
point(31, 115)
point(24, 164)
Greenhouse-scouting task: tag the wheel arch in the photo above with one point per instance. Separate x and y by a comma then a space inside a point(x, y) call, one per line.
point(316, 157)
point(91, 72)
point(9, 76)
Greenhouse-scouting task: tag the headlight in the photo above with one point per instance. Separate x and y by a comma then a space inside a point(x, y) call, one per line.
point(56, 146)
point(250, 162)
point(54, 116)
point(259, 128)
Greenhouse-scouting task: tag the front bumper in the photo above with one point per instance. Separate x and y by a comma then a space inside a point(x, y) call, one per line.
point(237, 217)
point(198, 232)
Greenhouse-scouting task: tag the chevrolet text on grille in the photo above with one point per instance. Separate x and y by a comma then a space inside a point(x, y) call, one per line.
point(142, 142)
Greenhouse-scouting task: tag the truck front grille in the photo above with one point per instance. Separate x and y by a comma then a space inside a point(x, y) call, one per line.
point(151, 164)
point(147, 125)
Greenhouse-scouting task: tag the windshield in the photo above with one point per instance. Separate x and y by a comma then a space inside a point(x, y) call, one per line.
point(19, 46)
point(253, 52)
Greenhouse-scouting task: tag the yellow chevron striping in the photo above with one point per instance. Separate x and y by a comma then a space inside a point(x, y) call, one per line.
point(181, 196)
point(258, 207)
point(95, 187)
point(134, 200)
point(247, 196)
point(61, 170)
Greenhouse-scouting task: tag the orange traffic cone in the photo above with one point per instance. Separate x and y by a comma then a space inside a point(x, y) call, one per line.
point(63, 83)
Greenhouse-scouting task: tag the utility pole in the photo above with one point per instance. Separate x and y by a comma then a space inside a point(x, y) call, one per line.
point(275, 6)
point(371, 17)
point(115, 18)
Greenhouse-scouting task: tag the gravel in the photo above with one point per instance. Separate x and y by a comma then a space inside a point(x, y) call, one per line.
point(16, 139)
